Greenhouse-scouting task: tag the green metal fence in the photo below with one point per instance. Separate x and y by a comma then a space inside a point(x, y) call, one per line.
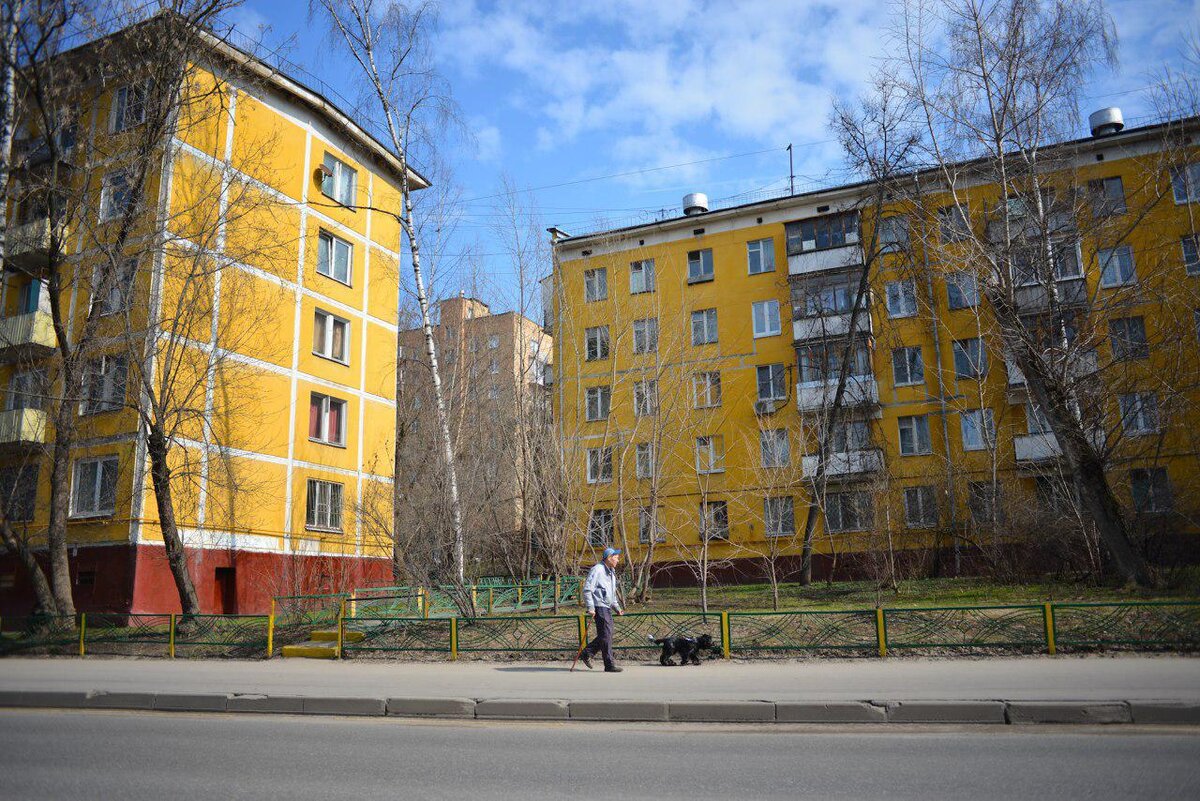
point(803, 631)
point(966, 627)
point(222, 635)
point(1172, 624)
point(55, 634)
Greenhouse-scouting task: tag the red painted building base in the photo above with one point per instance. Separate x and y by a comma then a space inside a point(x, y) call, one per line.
point(137, 578)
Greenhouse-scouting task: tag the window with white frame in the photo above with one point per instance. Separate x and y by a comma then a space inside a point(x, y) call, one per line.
point(334, 257)
point(1190, 245)
point(766, 318)
point(1185, 183)
point(1128, 338)
point(600, 527)
point(704, 327)
point(331, 336)
point(850, 435)
point(645, 335)
point(779, 517)
point(596, 343)
point(1151, 489)
point(104, 384)
point(129, 106)
point(908, 367)
point(827, 300)
point(970, 358)
point(775, 447)
point(599, 400)
point(914, 435)
point(339, 180)
point(644, 466)
point(650, 525)
point(983, 500)
point(641, 276)
point(821, 233)
point(706, 389)
point(94, 486)
point(962, 290)
point(822, 362)
point(700, 266)
point(27, 389)
point(493, 392)
point(772, 382)
point(710, 454)
point(920, 507)
point(600, 465)
point(595, 284)
point(494, 367)
point(645, 397)
point(892, 234)
point(115, 293)
point(760, 256)
point(847, 511)
point(493, 341)
point(978, 429)
point(323, 507)
point(714, 520)
point(901, 298)
point(953, 224)
point(1067, 262)
point(116, 195)
point(1036, 421)
point(1116, 266)
point(1139, 412)
point(326, 419)
point(1107, 196)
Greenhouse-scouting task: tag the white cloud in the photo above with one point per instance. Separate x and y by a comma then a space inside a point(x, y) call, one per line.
point(488, 144)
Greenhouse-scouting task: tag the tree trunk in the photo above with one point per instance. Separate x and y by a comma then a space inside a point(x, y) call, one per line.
point(160, 477)
point(41, 588)
point(60, 497)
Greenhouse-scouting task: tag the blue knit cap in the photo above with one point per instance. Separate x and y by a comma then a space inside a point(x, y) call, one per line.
point(610, 552)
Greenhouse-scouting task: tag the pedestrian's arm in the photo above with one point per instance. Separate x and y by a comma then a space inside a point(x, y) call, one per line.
point(588, 587)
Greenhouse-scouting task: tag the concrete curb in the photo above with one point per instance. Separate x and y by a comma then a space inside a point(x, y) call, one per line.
point(1170, 713)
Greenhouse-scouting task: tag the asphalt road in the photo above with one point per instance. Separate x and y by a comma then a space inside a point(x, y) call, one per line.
point(132, 756)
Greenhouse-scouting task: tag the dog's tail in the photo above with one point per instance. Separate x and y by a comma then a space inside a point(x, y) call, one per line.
point(658, 641)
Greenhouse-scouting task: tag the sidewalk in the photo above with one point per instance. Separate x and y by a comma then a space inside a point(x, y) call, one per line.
point(1065, 689)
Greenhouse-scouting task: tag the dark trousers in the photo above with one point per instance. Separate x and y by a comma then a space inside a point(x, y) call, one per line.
point(604, 630)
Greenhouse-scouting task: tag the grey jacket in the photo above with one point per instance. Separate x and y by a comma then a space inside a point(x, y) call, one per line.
point(600, 589)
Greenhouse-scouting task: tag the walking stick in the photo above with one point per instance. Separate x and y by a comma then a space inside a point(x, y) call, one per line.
point(577, 655)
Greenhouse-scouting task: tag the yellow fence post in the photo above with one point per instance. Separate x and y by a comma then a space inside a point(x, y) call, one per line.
point(582, 631)
point(353, 605)
point(474, 600)
point(580, 598)
point(1048, 613)
point(171, 638)
point(341, 628)
point(271, 631)
point(82, 631)
point(725, 634)
point(518, 595)
point(425, 603)
point(881, 630)
point(454, 638)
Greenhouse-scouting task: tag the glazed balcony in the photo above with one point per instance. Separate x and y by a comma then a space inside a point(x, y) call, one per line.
point(849, 464)
point(816, 261)
point(27, 336)
point(1036, 447)
point(813, 396)
point(22, 427)
point(27, 247)
point(835, 325)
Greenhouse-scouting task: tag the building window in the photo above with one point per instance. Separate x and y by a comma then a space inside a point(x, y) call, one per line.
point(700, 266)
point(645, 397)
point(1191, 253)
point(323, 509)
point(827, 300)
point(331, 336)
point(820, 233)
point(1151, 489)
point(338, 180)
point(1185, 183)
point(129, 106)
point(978, 429)
point(823, 362)
point(962, 290)
point(334, 257)
point(847, 511)
point(494, 367)
point(120, 287)
point(970, 358)
point(850, 435)
point(914, 435)
point(983, 500)
point(706, 388)
point(104, 385)
point(641, 276)
point(600, 465)
point(704, 327)
point(599, 400)
point(1128, 338)
point(18, 493)
point(649, 525)
point(493, 392)
point(326, 419)
point(645, 335)
point(1116, 266)
point(644, 466)
point(775, 448)
point(1139, 412)
point(760, 256)
point(28, 389)
point(1036, 421)
point(595, 284)
point(596, 343)
point(94, 487)
point(772, 384)
point(908, 367)
point(714, 520)
point(920, 507)
point(600, 527)
point(892, 234)
point(1107, 196)
point(779, 517)
point(953, 224)
point(710, 454)
point(116, 196)
point(766, 318)
point(901, 298)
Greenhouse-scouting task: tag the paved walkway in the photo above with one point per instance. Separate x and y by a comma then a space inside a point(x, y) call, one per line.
point(1099, 678)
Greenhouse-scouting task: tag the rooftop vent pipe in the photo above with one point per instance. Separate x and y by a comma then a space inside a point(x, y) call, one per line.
point(1106, 121)
point(695, 203)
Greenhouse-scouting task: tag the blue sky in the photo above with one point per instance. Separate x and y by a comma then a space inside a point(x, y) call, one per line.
point(555, 93)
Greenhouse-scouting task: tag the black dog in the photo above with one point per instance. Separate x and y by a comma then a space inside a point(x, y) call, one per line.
point(688, 648)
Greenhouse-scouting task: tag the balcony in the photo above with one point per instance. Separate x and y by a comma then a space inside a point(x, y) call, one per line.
point(834, 325)
point(20, 427)
point(815, 261)
point(27, 336)
point(816, 395)
point(28, 246)
point(1036, 298)
point(1036, 447)
point(849, 464)
point(1081, 364)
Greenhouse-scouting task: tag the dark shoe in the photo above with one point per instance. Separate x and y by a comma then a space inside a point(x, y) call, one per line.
point(613, 669)
point(586, 660)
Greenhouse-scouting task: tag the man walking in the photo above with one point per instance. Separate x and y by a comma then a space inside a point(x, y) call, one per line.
point(600, 595)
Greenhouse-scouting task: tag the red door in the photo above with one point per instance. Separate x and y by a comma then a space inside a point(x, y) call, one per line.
point(225, 591)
